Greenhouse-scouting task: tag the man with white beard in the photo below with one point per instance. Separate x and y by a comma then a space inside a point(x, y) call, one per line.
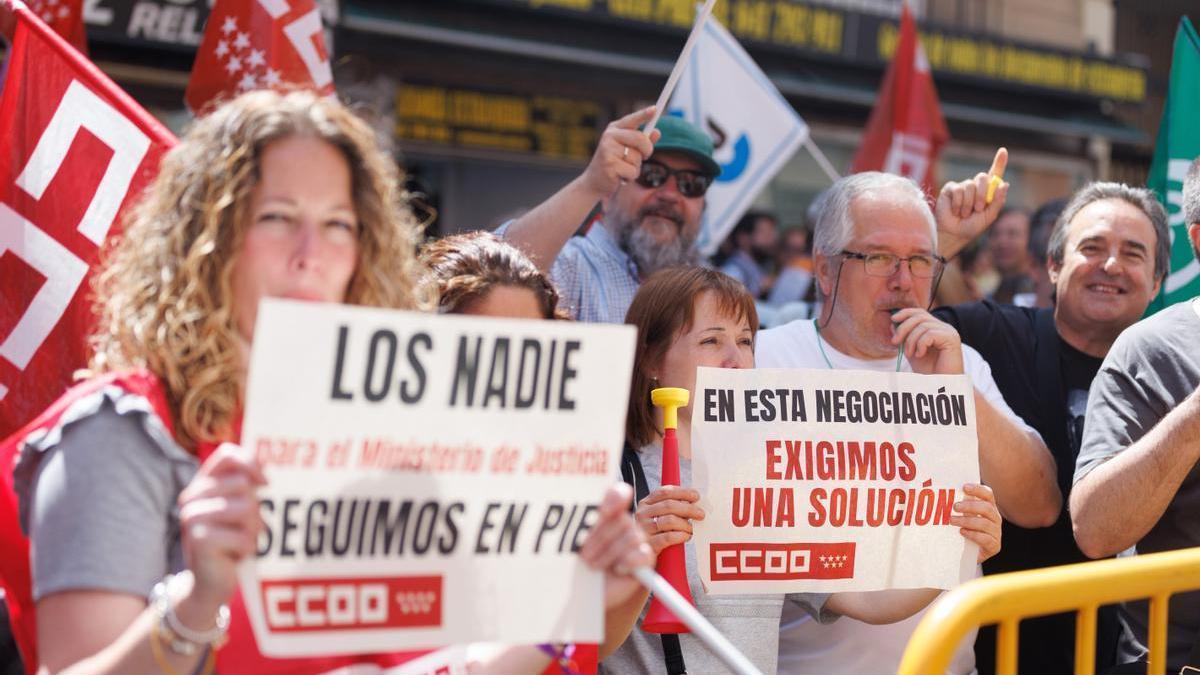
point(653, 199)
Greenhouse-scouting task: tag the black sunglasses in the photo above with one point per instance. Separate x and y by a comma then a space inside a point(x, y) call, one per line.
point(690, 183)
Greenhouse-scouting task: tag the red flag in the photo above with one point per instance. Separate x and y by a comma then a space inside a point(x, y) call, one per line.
point(64, 17)
point(76, 150)
point(906, 130)
point(259, 44)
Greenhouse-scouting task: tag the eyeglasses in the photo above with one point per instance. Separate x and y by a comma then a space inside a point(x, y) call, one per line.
point(690, 183)
point(886, 264)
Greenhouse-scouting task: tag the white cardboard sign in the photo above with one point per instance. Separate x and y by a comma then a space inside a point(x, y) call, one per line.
point(826, 481)
point(430, 477)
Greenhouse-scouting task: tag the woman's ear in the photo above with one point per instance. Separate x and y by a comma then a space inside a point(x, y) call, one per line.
point(651, 370)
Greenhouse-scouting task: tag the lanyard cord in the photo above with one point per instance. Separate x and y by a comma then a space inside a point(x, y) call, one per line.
point(821, 346)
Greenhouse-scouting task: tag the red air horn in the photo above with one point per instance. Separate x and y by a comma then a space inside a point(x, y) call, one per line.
point(671, 562)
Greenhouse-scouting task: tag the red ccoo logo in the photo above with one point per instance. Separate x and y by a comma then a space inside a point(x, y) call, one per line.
point(781, 562)
point(298, 605)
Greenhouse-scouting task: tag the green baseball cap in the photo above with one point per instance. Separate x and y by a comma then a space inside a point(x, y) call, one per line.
point(679, 135)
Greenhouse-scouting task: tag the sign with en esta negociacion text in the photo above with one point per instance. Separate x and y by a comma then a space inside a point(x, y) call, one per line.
point(826, 481)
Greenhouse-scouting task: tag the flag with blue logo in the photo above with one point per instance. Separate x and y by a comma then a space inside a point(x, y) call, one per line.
point(754, 129)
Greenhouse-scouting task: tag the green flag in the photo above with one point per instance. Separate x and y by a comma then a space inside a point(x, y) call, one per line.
point(1178, 143)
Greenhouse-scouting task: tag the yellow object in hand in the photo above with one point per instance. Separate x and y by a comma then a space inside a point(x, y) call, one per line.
point(992, 185)
point(997, 173)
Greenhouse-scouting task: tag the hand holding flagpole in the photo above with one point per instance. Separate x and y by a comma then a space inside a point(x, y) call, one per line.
point(680, 64)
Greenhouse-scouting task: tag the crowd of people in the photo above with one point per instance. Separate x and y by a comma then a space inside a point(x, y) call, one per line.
point(139, 503)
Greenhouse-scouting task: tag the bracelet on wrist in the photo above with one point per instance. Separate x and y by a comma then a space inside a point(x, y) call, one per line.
point(158, 637)
point(180, 638)
point(562, 655)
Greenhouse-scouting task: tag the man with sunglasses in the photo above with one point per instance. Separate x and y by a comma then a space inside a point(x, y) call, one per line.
point(652, 194)
point(876, 264)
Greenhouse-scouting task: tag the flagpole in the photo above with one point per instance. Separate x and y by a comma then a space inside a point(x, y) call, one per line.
point(718, 644)
point(822, 160)
point(680, 64)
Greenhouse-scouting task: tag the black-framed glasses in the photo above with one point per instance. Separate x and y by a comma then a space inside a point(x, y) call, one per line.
point(690, 183)
point(886, 264)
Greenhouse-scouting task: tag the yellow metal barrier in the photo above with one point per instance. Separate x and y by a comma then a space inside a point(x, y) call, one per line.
point(1005, 599)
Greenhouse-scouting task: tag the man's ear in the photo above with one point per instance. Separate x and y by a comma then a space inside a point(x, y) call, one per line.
point(826, 273)
point(1053, 269)
point(1194, 235)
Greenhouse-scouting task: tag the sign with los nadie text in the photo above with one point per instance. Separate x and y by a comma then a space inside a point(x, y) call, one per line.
point(428, 475)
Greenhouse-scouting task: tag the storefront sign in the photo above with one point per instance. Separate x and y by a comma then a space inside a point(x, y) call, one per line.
point(551, 126)
point(869, 39)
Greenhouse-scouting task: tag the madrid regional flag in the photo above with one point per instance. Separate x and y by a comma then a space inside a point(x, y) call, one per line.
point(259, 44)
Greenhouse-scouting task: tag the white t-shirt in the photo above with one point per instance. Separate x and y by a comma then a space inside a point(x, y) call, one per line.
point(848, 646)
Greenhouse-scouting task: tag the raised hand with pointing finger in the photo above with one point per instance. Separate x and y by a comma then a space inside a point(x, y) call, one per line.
point(545, 229)
point(637, 207)
point(619, 154)
point(966, 208)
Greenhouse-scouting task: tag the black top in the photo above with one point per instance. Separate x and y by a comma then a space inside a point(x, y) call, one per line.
point(1045, 381)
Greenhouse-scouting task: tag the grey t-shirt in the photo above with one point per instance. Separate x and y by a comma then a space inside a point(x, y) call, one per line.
point(750, 622)
point(97, 498)
point(1151, 368)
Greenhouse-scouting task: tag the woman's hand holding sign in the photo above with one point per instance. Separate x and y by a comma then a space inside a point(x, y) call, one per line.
point(617, 545)
point(980, 520)
point(666, 514)
point(219, 521)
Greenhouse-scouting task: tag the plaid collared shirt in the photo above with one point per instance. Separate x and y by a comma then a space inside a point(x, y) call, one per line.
point(596, 280)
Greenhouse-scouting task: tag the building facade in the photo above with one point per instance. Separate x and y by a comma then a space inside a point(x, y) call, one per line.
point(494, 104)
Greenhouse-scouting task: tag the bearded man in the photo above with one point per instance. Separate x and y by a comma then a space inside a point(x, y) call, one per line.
point(652, 191)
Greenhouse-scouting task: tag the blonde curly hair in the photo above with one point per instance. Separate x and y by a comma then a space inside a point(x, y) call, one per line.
point(164, 296)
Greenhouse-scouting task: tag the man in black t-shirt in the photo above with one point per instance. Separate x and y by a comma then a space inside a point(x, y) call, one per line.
point(1106, 257)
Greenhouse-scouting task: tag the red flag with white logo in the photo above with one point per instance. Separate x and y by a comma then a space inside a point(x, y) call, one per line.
point(259, 44)
point(906, 130)
point(76, 151)
point(64, 17)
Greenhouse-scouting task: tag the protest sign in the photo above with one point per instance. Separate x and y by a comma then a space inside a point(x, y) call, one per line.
point(430, 477)
point(825, 481)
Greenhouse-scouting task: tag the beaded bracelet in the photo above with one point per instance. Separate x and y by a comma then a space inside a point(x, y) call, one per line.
point(561, 655)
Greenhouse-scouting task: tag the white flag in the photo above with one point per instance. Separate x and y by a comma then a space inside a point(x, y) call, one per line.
point(755, 130)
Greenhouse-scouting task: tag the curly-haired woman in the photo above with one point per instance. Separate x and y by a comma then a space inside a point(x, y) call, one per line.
point(129, 477)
